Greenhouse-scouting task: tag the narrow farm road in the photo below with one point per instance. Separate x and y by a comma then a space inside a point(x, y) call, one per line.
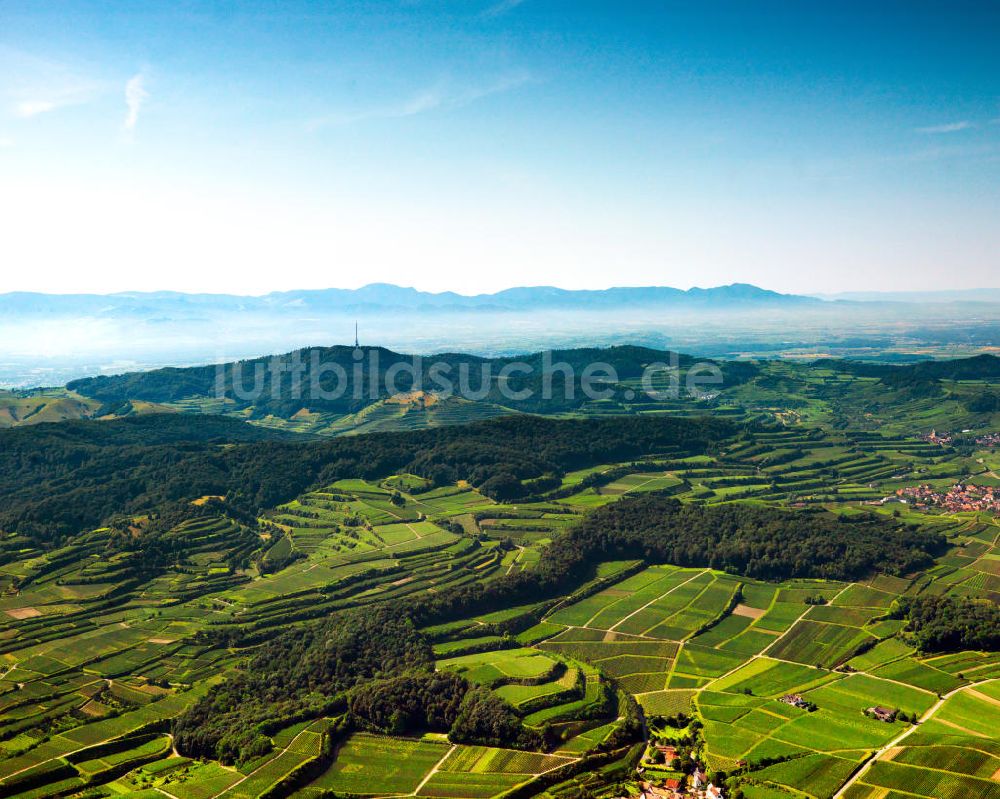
point(434, 770)
point(895, 741)
point(269, 760)
point(770, 646)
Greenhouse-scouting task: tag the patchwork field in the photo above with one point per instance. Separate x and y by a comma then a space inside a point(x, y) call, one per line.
point(368, 765)
point(955, 753)
point(98, 660)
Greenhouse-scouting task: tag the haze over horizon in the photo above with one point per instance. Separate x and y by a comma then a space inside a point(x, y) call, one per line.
point(985, 293)
point(470, 147)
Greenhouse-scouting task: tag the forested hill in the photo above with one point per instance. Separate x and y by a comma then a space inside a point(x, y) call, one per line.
point(924, 379)
point(57, 480)
point(979, 367)
point(48, 442)
point(319, 367)
point(763, 543)
point(747, 540)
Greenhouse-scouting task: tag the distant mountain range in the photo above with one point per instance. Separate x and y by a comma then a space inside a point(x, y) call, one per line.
point(387, 296)
point(49, 339)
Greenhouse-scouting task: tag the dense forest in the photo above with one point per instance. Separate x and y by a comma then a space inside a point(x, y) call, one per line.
point(57, 480)
point(946, 623)
point(409, 703)
point(372, 662)
point(978, 367)
point(749, 540)
point(335, 380)
point(984, 402)
point(295, 675)
point(753, 541)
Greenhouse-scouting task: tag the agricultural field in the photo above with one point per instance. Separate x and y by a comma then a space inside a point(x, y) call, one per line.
point(953, 754)
point(101, 653)
point(371, 765)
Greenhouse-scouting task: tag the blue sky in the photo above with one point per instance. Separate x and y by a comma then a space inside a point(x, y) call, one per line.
point(257, 146)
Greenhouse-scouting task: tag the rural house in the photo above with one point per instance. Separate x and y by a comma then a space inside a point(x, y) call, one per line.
point(881, 713)
point(794, 700)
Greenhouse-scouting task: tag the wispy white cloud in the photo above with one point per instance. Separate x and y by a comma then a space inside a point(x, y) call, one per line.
point(949, 127)
point(34, 86)
point(501, 8)
point(26, 109)
point(135, 96)
point(6, 142)
point(35, 103)
point(952, 151)
point(439, 97)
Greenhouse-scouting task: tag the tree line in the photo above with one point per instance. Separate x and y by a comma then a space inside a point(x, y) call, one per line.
point(747, 540)
point(950, 624)
point(57, 480)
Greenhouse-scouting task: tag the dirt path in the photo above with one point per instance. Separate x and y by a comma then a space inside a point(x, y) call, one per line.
point(763, 652)
point(6, 777)
point(409, 527)
point(984, 698)
point(895, 741)
point(646, 482)
point(961, 729)
point(514, 563)
point(433, 771)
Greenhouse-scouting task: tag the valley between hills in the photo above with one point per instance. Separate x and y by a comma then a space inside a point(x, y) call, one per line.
point(763, 591)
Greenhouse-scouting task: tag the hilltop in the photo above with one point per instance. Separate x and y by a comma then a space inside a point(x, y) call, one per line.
point(947, 395)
